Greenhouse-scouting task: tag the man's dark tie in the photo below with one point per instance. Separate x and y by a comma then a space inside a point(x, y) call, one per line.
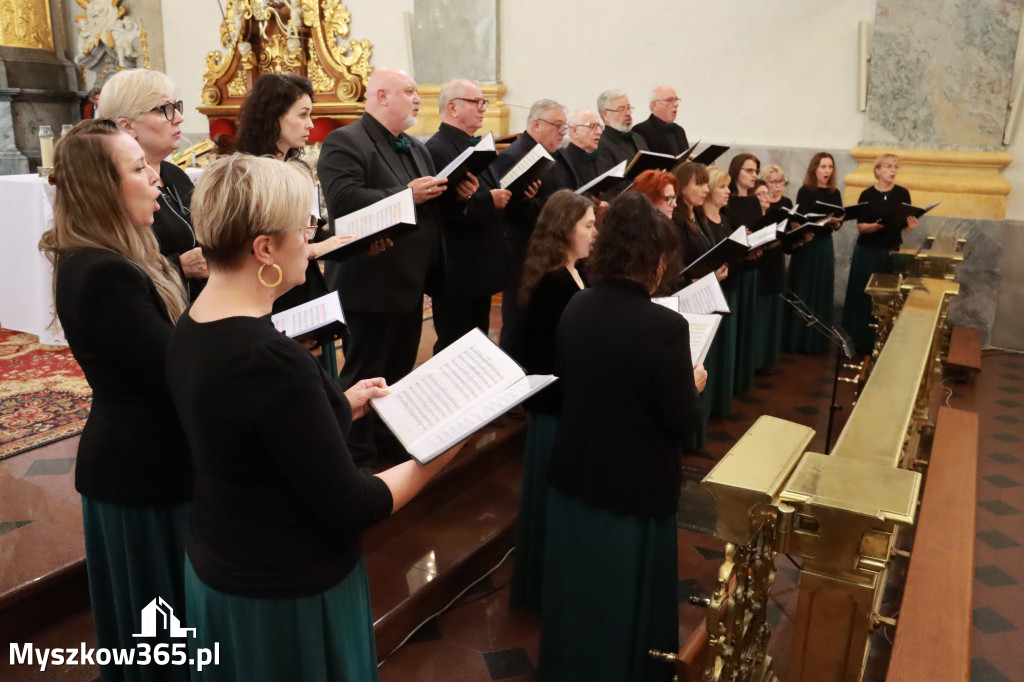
point(401, 144)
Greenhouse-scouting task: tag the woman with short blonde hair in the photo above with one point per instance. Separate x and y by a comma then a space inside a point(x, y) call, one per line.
point(143, 104)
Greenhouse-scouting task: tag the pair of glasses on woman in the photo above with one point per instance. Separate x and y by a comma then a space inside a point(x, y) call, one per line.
point(311, 228)
point(169, 108)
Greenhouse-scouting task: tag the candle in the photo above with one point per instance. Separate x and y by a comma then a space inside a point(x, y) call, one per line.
point(46, 145)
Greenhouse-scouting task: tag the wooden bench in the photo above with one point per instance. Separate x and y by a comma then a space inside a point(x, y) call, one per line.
point(964, 350)
point(933, 633)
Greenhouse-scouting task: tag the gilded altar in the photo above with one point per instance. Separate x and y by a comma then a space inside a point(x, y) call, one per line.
point(303, 37)
point(26, 23)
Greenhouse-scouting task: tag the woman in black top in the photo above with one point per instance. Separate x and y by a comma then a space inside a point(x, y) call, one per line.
point(563, 235)
point(771, 275)
point(117, 300)
point(878, 238)
point(812, 267)
point(273, 569)
point(744, 209)
point(629, 402)
point(142, 103)
point(275, 120)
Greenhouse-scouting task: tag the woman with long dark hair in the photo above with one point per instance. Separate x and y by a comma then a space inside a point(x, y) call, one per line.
point(117, 299)
point(812, 267)
point(275, 120)
point(744, 209)
point(562, 236)
point(629, 403)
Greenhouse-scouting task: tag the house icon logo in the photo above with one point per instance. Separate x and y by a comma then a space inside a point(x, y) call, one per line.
point(159, 610)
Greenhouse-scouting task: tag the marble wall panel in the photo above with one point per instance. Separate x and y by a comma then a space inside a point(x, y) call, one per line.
point(1008, 328)
point(455, 39)
point(941, 72)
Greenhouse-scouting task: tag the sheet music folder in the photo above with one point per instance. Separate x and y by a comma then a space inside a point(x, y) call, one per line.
point(389, 217)
point(453, 394)
point(320, 319)
point(473, 160)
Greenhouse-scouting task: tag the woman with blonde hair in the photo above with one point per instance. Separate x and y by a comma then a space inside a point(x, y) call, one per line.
point(143, 104)
point(879, 236)
point(771, 273)
point(117, 300)
point(273, 568)
point(563, 235)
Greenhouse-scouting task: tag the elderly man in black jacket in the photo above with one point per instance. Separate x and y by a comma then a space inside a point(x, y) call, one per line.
point(660, 130)
point(618, 142)
point(473, 252)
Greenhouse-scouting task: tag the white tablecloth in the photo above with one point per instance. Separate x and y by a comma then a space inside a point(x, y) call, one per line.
point(26, 286)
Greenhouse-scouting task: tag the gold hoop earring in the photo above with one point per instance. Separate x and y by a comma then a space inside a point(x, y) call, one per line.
point(280, 275)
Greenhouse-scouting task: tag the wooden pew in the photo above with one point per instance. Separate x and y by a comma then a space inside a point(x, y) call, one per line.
point(933, 633)
point(964, 350)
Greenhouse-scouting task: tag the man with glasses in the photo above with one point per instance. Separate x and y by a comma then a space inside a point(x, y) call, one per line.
point(585, 129)
point(662, 133)
point(619, 142)
point(546, 126)
point(474, 261)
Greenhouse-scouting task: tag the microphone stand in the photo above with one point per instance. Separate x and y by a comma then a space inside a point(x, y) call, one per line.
point(839, 338)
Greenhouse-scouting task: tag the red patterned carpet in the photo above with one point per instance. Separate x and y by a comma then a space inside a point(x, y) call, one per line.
point(43, 394)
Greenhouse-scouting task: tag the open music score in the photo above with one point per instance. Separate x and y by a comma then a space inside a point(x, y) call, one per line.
point(384, 218)
point(530, 168)
point(702, 328)
point(703, 297)
point(473, 160)
point(321, 319)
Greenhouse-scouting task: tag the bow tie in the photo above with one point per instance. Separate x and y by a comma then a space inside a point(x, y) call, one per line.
point(401, 144)
point(474, 140)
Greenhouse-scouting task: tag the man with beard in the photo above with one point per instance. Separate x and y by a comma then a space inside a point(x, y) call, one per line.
point(474, 259)
point(618, 142)
point(381, 291)
point(660, 130)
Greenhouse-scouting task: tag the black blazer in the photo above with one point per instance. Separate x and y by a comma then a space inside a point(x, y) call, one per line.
point(561, 176)
point(540, 324)
point(614, 147)
point(358, 167)
point(133, 450)
point(661, 137)
point(472, 236)
point(172, 224)
point(628, 401)
point(520, 213)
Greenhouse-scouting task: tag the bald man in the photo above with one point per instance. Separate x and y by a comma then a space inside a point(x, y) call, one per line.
point(474, 255)
point(382, 293)
point(660, 130)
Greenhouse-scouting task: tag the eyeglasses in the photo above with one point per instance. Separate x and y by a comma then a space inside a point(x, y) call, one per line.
point(480, 103)
point(311, 227)
point(670, 100)
point(671, 199)
point(561, 126)
point(168, 109)
point(592, 126)
point(776, 181)
point(621, 110)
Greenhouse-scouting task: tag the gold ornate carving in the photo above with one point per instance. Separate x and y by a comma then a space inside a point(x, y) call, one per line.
point(276, 57)
point(26, 23)
point(237, 86)
point(321, 80)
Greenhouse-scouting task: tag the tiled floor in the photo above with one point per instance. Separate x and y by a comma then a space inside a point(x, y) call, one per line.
point(482, 639)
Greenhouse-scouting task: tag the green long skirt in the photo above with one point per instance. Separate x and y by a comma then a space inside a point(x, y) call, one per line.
point(531, 524)
point(324, 638)
point(867, 260)
point(610, 594)
point(721, 364)
point(133, 555)
point(747, 342)
point(811, 277)
point(768, 322)
point(329, 359)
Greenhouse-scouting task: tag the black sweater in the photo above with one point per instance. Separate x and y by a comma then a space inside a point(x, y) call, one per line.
point(279, 505)
point(132, 450)
point(882, 207)
point(172, 224)
point(543, 311)
point(628, 403)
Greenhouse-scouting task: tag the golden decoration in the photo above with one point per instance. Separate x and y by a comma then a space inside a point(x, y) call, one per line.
point(144, 41)
point(321, 80)
point(26, 23)
point(277, 58)
point(237, 86)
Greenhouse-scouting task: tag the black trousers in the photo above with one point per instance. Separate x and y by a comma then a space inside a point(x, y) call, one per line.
point(378, 345)
point(454, 317)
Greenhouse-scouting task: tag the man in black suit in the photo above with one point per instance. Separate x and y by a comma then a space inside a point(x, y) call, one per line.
point(546, 126)
point(382, 290)
point(618, 142)
point(585, 130)
point(660, 130)
point(473, 247)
